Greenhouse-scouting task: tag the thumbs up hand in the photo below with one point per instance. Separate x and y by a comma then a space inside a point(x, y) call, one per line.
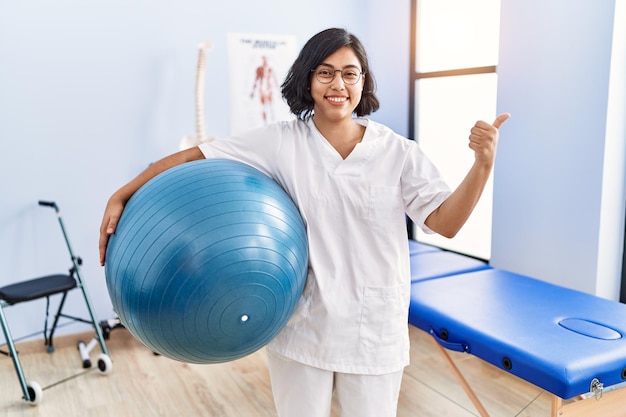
point(483, 139)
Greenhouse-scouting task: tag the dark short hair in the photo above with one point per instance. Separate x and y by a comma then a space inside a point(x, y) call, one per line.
point(296, 87)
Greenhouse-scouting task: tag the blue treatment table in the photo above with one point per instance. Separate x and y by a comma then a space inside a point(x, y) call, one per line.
point(416, 247)
point(436, 264)
point(566, 342)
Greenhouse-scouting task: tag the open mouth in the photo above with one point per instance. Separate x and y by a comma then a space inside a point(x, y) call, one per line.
point(337, 100)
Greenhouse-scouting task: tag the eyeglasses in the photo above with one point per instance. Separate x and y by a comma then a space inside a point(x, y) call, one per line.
point(326, 75)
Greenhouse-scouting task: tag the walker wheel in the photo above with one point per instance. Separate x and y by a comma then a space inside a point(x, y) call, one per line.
point(85, 356)
point(34, 392)
point(104, 364)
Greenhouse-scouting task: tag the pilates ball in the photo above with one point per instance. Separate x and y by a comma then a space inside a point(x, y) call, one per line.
point(208, 261)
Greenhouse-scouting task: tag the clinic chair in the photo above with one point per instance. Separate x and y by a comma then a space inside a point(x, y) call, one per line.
point(45, 287)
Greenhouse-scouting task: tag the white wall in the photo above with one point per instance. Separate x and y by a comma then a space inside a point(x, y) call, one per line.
point(558, 209)
point(92, 92)
point(388, 29)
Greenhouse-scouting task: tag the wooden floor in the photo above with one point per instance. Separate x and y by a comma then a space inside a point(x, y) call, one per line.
point(143, 384)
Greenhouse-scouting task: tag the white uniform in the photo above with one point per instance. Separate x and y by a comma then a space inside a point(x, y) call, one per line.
point(352, 316)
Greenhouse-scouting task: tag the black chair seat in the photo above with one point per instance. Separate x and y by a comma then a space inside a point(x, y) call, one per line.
point(37, 288)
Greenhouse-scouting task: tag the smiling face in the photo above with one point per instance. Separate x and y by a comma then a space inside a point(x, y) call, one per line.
point(337, 100)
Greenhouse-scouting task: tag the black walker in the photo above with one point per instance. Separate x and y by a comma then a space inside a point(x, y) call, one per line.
point(47, 286)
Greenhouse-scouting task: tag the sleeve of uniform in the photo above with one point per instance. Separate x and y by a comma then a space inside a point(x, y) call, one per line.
point(257, 147)
point(423, 186)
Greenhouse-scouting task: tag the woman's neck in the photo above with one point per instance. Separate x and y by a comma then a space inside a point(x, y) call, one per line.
point(342, 135)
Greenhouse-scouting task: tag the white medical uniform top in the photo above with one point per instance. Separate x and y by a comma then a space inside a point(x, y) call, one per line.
point(353, 313)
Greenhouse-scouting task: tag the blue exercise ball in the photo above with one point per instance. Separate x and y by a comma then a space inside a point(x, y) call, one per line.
point(207, 262)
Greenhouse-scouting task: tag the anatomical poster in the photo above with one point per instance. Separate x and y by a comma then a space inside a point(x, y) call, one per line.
point(258, 64)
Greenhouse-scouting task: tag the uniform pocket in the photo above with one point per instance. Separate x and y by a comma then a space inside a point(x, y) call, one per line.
point(384, 205)
point(382, 317)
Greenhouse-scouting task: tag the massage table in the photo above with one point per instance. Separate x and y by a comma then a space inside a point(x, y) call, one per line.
point(566, 342)
point(437, 264)
point(419, 247)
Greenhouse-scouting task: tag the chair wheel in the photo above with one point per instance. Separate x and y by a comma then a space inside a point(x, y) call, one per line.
point(84, 354)
point(105, 365)
point(34, 392)
point(106, 332)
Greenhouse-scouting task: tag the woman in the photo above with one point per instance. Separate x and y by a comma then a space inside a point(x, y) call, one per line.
point(353, 180)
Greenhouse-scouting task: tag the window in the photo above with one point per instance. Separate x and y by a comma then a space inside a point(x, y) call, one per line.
point(455, 47)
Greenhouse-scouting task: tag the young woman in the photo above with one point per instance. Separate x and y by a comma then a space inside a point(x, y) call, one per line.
point(353, 180)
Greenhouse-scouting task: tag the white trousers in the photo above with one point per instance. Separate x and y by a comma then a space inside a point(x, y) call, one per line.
point(303, 391)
